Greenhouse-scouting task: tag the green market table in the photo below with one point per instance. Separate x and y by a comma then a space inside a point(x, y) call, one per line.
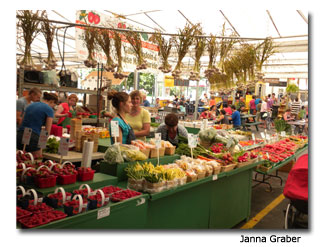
point(267, 174)
point(192, 130)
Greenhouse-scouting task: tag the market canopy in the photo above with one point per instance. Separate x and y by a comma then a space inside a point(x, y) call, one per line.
point(289, 29)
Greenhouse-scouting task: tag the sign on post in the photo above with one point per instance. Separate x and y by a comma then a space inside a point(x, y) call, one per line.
point(64, 146)
point(42, 139)
point(26, 136)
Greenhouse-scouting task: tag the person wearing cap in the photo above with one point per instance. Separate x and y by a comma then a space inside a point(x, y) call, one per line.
point(170, 130)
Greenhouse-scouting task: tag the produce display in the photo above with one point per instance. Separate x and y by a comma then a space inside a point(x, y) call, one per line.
point(103, 132)
point(223, 126)
point(123, 195)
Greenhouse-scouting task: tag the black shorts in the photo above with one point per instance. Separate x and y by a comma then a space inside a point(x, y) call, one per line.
point(32, 147)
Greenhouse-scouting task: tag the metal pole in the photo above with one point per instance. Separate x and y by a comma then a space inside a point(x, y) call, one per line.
point(98, 94)
point(135, 79)
point(196, 103)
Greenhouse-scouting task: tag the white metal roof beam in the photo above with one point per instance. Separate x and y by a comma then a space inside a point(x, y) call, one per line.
point(273, 23)
point(154, 22)
point(302, 16)
point(143, 12)
point(229, 23)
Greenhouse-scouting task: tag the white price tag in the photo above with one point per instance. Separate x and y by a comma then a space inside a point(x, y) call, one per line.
point(64, 146)
point(205, 124)
point(26, 136)
point(253, 137)
point(215, 177)
point(140, 201)
point(114, 128)
point(103, 213)
point(192, 140)
point(262, 135)
point(268, 155)
point(283, 133)
point(42, 139)
point(268, 137)
point(158, 140)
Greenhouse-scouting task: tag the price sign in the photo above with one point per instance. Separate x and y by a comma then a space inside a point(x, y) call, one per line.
point(192, 140)
point(268, 155)
point(253, 137)
point(26, 136)
point(215, 177)
point(268, 137)
point(64, 146)
point(158, 140)
point(42, 139)
point(114, 128)
point(262, 135)
point(205, 124)
point(283, 133)
point(103, 213)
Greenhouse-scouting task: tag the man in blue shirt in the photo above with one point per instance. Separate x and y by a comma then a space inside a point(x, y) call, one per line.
point(236, 118)
point(146, 103)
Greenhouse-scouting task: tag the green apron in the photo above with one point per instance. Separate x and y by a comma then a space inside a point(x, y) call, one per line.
point(67, 120)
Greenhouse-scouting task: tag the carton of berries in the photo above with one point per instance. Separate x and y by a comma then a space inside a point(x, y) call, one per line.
point(21, 213)
point(76, 206)
point(124, 195)
point(29, 197)
point(84, 190)
point(39, 208)
point(108, 190)
point(66, 173)
point(24, 157)
point(54, 215)
point(85, 173)
point(97, 200)
point(34, 221)
point(27, 175)
point(44, 177)
point(58, 198)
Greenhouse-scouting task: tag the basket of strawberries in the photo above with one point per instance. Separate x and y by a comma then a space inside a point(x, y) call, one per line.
point(44, 177)
point(66, 173)
point(76, 206)
point(23, 157)
point(97, 200)
point(85, 173)
point(29, 197)
point(58, 198)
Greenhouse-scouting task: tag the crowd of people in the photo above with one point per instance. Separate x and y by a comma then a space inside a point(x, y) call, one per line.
point(134, 120)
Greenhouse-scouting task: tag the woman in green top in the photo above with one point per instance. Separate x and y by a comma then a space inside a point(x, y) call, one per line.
point(66, 111)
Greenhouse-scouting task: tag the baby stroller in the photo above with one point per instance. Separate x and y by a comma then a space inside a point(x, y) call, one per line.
point(296, 190)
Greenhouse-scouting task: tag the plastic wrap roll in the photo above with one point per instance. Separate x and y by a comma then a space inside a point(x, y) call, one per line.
point(87, 153)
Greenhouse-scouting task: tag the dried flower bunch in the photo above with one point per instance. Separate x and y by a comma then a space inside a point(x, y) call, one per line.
point(164, 50)
point(182, 44)
point(212, 48)
point(48, 31)
point(89, 38)
point(263, 51)
point(135, 41)
point(105, 43)
point(30, 27)
point(200, 44)
point(118, 47)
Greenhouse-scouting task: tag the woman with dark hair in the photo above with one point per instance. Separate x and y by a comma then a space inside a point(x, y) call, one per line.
point(37, 115)
point(122, 104)
point(170, 130)
point(65, 111)
point(223, 118)
point(138, 118)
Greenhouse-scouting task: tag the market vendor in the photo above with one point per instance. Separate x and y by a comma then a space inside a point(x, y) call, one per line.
point(223, 117)
point(287, 116)
point(122, 104)
point(37, 115)
point(236, 117)
point(138, 118)
point(241, 105)
point(66, 111)
point(33, 95)
point(171, 130)
point(207, 114)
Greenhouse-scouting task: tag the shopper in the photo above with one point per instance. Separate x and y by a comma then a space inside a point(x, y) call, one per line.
point(207, 114)
point(252, 105)
point(171, 130)
point(223, 118)
point(257, 101)
point(274, 99)
point(37, 115)
point(241, 105)
point(33, 95)
point(302, 113)
point(212, 101)
point(264, 111)
point(122, 104)
point(146, 103)
point(138, 118)
point(228, 110)
point(295, 107)
point(269, 102)
point(225, 100)
point(258, 110)
point(157, 103)
point(236, 118)
point(287, 115)
point(205, 99)
point(66, 111)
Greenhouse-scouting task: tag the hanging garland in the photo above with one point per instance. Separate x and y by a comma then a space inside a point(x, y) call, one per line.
point(135, 41)
point(164, 51)
point(48, 31)
point(212, 48)
point(30, 28)
point(118, 47)
point(104, 41)
point(89, 38)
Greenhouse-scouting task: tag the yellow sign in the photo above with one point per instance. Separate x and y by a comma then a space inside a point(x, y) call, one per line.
point(168, 81)
point(248, 98)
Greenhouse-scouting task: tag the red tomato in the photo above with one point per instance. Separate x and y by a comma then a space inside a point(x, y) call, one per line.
point(91, 17)
point(96, 19)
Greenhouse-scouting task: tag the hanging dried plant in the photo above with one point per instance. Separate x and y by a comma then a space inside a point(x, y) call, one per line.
point(226, 44)
point(135, 41)
point(212, 48)
point(263, 51)
point(89, 37)
point(200, 44)
point(118, 47)
point(48, 31)
point(164, 50)
point(30, 28)
point(182, 43)
point(104, 41)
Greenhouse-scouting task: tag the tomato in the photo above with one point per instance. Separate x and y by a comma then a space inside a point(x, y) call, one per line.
point(91, 17)
point(96, 19)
